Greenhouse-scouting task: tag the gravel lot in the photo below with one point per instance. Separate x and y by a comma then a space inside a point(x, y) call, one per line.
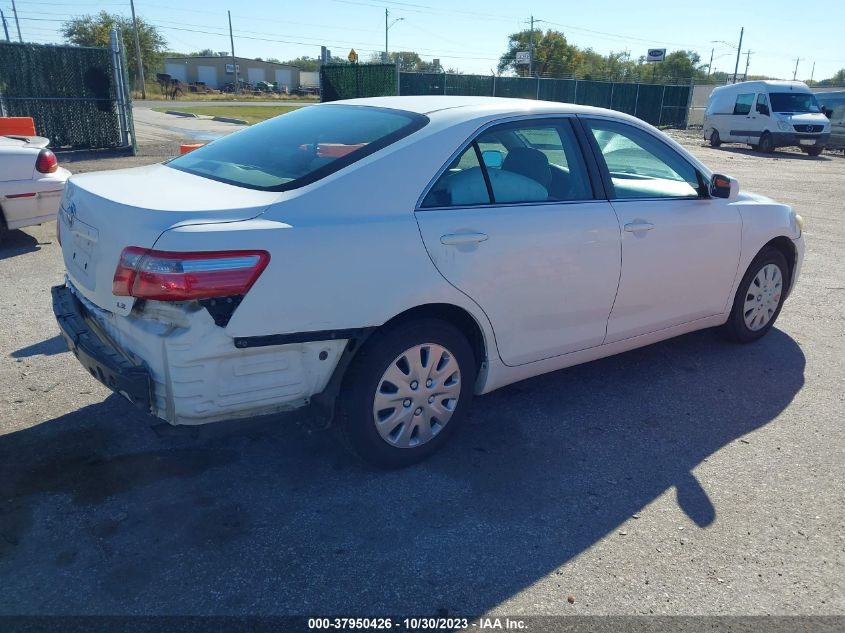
point(690, 477)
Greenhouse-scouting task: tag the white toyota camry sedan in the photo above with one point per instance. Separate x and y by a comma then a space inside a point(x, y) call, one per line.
point(383, 260)
point(31, 182)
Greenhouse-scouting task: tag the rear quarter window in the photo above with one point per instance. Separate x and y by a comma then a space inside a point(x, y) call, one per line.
point(300, 147)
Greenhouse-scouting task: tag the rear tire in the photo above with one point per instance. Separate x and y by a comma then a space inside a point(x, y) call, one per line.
point(715, 141)
point(3, 229)
point(760, 297)
point(767, 143)
point(406, 393)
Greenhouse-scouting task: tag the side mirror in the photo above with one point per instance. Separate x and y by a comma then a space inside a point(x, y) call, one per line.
point(724, 187)
point(492, 158)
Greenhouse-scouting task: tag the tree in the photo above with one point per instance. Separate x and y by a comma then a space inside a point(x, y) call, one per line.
point(553, 55)
point(838, 79)
point(680, 65)
point(409, 62)
point(94, 30)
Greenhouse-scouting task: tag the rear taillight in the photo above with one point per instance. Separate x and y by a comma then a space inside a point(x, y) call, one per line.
point(167, 276)
point(46, 163)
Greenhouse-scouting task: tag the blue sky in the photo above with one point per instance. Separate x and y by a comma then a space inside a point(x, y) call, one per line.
point(470, 35)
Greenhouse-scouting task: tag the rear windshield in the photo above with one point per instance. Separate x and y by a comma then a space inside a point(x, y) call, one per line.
point(793, 102)
point(300, 147)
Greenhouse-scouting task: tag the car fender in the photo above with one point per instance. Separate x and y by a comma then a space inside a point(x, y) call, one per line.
point(763, 220)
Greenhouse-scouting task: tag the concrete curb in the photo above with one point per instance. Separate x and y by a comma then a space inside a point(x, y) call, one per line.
point(225, 119)
point(185, 114)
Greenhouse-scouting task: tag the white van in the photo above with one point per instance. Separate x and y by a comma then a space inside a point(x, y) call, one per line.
point(766, 115)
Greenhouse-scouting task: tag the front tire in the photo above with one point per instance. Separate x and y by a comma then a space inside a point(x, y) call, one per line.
point(406, 393)
point(760, 297)
point(812, 151)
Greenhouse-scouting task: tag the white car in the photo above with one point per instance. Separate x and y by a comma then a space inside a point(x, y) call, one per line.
point(385, 259)
point(31, 182)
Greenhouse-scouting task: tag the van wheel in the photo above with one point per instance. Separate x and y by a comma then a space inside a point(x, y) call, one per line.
point(812, 151)
point(406, 392)
point(759, 297)
point(715, 141)
point(767, 143)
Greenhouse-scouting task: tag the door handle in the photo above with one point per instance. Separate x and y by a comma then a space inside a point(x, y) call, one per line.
point(455, 239)
point(633, 227)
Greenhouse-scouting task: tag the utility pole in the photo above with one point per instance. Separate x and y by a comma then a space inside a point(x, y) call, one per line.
point(747, 61)
point(138, 60)
point(795, 72)
point(234, 60)
point(17, 22)
point(531, 49)
point(710, 65)
point(5, 26)
point(738, 52)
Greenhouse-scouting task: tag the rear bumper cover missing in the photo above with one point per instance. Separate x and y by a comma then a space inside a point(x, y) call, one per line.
point(99, 355)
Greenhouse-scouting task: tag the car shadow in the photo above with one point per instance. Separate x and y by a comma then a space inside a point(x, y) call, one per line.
point(103, 516)
point(16, 243)
point(48, 347)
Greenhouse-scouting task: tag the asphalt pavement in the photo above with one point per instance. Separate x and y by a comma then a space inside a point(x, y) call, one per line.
point(692, 477)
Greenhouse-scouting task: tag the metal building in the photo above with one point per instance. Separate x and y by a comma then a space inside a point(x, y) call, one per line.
point(216, 71)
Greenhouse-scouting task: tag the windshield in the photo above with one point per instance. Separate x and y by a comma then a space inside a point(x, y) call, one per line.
point(794, 102)
point(300, 147)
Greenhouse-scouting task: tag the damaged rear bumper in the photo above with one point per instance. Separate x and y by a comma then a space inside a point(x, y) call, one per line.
point(98, 354)
point(173, 361)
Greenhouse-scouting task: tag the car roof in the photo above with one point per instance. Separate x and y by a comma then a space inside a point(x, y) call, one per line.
point(474, 105)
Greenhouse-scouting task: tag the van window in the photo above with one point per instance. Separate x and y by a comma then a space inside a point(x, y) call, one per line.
point(794, 102)
point(743, 103)
point(762, 104)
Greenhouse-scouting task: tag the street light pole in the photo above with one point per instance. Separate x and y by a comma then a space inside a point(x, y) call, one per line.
point(738, 52)
point(234, 59)
point(138, 59)
point(386, 29)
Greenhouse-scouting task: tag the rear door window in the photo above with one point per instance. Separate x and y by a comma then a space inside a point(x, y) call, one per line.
point(300, 147)
point(523, 162)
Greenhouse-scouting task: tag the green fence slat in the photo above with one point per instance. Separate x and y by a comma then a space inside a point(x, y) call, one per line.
point(69, 91)
point(654, 103)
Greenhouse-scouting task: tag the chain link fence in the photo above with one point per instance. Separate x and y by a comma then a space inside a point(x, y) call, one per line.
point(659, 104)
point(74, 94)
point(352, 81)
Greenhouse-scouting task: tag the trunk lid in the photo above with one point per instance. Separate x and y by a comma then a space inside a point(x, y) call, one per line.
point(104, 212)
